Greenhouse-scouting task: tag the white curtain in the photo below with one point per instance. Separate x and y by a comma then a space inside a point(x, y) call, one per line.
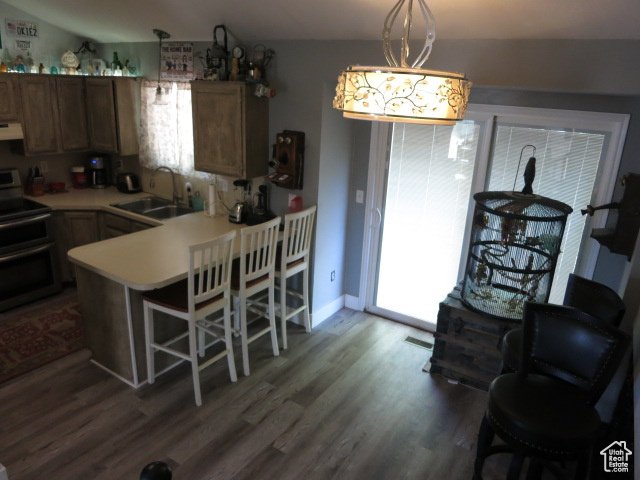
point(166, 137)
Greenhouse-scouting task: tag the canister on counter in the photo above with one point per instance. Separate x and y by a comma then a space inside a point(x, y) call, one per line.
point(79, 177)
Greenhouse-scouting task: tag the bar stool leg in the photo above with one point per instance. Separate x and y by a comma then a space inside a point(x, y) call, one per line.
point(149, 336)
point(272, 320)
point(283, 310)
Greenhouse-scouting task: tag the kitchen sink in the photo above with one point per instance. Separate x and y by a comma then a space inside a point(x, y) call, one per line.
point(167, 211)
point(140, 205)
point(153, 207)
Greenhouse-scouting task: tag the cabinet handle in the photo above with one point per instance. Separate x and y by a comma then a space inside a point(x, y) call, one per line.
point(28, 221)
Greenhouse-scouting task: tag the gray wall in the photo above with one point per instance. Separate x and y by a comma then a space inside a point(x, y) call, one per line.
point(303, 73)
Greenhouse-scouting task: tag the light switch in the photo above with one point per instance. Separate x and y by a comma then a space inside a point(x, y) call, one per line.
point(359, 196)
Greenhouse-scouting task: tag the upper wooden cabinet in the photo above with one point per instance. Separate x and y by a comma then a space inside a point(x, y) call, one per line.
point(53, 114)
point(61, 113)
point(39, 114)
point(8, 95)
point(72, 114)
point(230, 129)
point(113, 106)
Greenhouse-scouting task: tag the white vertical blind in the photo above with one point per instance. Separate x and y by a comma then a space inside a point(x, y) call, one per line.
point(566, 169)
point(429, 182)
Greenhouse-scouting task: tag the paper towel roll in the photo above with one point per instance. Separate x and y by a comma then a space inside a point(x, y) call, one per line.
point(211, 207)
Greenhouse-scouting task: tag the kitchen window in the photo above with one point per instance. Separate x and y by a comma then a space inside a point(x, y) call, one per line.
point(166, 137)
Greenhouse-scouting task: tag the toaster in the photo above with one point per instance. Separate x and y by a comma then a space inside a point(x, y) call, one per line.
point(128, 183)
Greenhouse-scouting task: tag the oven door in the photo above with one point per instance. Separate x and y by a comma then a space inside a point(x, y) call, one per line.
point(24, 232)
point(27, 275)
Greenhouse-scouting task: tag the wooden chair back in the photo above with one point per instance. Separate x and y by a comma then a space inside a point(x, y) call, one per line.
point(258, 250)
point(210, 269)
point(298, 232)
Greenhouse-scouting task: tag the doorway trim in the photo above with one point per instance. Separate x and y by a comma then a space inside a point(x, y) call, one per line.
point(488, 115)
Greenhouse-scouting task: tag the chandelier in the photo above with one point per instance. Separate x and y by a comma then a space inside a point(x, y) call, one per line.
point(403, 92)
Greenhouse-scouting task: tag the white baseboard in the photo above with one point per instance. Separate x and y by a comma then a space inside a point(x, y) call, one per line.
point(320, 315)
point(353, 303)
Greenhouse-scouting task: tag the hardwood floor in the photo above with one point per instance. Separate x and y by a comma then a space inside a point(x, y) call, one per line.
point(348, 401)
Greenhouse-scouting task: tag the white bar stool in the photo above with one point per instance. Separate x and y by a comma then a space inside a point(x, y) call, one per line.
point(252, 273)
point(293, 258)
point(205, 291)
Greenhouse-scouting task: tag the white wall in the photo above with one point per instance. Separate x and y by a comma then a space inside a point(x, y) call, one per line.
point(47, 48)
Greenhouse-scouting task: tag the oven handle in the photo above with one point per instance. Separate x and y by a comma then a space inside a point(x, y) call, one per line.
point(25, 253)
point(29, 220)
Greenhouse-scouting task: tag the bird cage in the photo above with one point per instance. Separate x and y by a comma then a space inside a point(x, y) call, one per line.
point(514, 247)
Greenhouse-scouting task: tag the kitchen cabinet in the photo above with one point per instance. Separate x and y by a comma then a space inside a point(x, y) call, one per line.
point(73, 229)
point(53, 115)
point(39, 115)
point(113, 106)
point(72, 114)
point(116, 226)
point(8, 95)
point(230, 129)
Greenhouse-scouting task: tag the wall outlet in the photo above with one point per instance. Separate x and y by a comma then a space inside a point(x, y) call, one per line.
point(223, 185)
point(44, 166)
point(333, 275)
point(359, 196)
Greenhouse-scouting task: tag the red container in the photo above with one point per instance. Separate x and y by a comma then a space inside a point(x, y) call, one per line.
point(79, 178)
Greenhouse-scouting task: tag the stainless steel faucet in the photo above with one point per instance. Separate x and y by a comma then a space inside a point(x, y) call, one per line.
point(176, 198)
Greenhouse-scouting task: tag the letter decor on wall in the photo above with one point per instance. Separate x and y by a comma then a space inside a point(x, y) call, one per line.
point(22, 28)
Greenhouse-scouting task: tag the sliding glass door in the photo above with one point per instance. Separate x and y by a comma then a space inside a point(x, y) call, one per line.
point(428, 181)
point(425, 176)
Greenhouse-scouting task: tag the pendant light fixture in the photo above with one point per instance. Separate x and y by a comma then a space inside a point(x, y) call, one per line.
point(161, 97)
point(403, 92)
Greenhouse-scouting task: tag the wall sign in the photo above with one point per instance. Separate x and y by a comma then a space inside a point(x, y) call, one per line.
point(177, 62)
point(23, 45)
point(21, 28)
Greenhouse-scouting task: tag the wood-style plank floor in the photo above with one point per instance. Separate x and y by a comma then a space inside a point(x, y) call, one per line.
point(348, 401)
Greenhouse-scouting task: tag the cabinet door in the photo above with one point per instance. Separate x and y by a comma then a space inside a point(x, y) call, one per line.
point(101, 115)
point(39, 114)
point(83, 228)
point(8, 94)
point(72, 109)
point(218, 129)
point(70, 230)
point(127, 108)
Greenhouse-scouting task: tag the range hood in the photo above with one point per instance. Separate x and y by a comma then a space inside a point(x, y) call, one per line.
point(11, 131)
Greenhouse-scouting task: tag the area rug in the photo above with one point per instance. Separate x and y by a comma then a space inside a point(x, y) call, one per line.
point(36, 337)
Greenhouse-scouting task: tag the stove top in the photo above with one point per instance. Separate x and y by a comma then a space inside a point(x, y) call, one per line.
point(11, 208)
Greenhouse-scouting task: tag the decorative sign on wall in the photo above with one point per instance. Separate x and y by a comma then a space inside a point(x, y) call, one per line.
point(23, 45)
point(177, 62)
point(21, 28)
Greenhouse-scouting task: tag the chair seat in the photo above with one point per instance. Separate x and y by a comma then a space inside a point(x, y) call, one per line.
point(290, 264)
point(235, 277)
point(544, 415)
point(176, 297)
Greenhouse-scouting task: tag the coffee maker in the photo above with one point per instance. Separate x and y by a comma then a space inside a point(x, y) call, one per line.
point(97, 172)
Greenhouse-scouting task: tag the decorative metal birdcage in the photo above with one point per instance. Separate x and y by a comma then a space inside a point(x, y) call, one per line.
point(514, 247)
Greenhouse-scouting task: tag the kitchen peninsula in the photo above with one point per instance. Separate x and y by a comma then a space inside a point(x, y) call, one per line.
point(112, 274)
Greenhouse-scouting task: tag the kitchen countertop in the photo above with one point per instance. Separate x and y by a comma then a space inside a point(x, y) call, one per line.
point(94, 199)
point(143, 260)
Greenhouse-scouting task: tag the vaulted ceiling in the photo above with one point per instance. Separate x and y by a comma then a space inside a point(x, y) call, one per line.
point(264, 20)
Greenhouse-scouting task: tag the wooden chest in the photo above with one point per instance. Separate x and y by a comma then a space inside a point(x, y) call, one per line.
point(467, 343)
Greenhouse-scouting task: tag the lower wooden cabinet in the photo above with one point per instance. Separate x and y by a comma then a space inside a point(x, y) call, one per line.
point(115, 226)
point(73, 229)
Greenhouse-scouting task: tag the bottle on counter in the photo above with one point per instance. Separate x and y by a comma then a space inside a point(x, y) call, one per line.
point(28, 183)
